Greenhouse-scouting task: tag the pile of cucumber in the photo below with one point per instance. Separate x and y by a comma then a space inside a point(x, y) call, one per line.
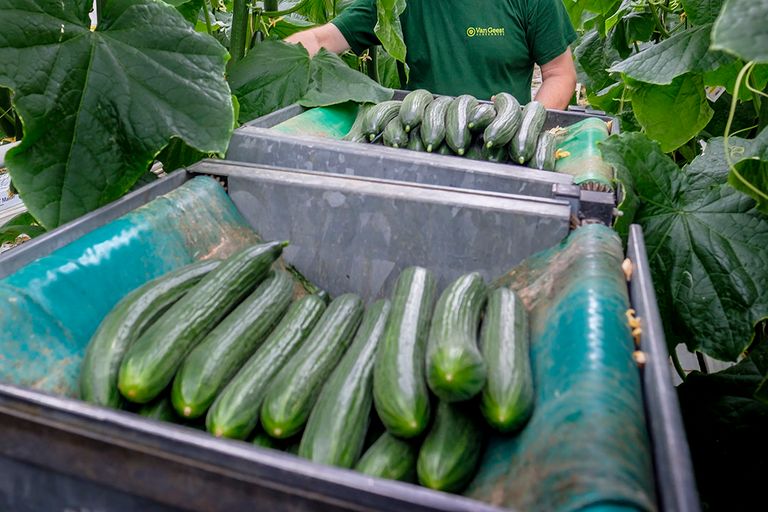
point(498, 132)
point(398, 389)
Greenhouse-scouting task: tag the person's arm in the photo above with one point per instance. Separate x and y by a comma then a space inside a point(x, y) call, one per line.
point(558, 82)
point(326, 36)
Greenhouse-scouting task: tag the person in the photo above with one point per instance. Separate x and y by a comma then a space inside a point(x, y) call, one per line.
point(477, 47)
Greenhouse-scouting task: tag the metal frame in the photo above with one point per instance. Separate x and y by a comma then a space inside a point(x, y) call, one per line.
point(593, 206)
point(108, 451)
point(675, 481)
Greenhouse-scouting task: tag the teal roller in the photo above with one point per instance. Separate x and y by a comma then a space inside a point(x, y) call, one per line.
point(51, 307)
point(586, 447)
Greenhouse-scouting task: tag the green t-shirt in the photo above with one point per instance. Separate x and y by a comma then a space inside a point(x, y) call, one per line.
point(477, 47)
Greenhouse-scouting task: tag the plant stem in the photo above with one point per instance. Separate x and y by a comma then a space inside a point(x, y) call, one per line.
point(100, 4)
point(207, 13)
point(659, 22)
point(239, 30)
point(372, 65)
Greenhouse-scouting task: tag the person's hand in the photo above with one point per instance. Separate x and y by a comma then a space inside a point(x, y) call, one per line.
point(325, 36)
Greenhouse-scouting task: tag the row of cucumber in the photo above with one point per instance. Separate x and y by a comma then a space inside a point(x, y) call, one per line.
point(225, 341)
point(500, 131)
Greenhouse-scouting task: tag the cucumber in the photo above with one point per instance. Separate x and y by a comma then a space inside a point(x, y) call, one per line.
point(395, 135)
point(356, 134)
point(414, 141)
point(336, 429)
point(399, 390)
point(475, 151)
point(293, 392)
point(211, 364)
point(263, 440)
point(151, 362)
point(433, 123)
point(524, 143)
point(496, 154)
point(390, 457)
point(505, 124)
point(546, 149)
point(235, 412)
point(457, 134)
point(449, 456)
point(444, 149)
point(412, 109)
point(377, 118)
point(507, 399)
point(481, 116)
point(455, 368)
point(125, 323)
point(160, 409)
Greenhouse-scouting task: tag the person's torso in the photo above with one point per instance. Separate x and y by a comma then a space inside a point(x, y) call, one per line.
point(459, 47)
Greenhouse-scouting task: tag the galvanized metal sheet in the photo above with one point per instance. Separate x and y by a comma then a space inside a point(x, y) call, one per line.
point(356, 235)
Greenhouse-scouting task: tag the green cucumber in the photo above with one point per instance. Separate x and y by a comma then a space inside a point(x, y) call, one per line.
point(400, 392)
point(125, 323)
point(395, 135)
point(481, 116)
point(264, 441)
point(455, 368)
point(507, 399)
point(293, 392)
point(336, 429)
point(449, 456)
point(212, 363)
point(412, 109)
point(457, 114)
point(433, 123)
point(496, 154)
point(444, 149)
point(292, 446)
point(356, 133)
point(475, 151)
point(506, 123)
point(546, 148)
point(390, 457)
point(160, 409)
point(235, 412)
point(414, 140)
point(151, 362)
point(377, 118)
point(523, 145)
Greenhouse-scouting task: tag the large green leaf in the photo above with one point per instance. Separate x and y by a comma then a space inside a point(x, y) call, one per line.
point(190, 9)
point(726, 428)
point(595, 57)
point(387, 67)
point(706, 244)
point(672, 114)
point(701, 12)
point(682, 53)
point(289, 25)
point(98, 105)
point(332, 81)
point(742, 29)
point(273, 75)
point(388, 28)
point(276, 74)
point(750, 175)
